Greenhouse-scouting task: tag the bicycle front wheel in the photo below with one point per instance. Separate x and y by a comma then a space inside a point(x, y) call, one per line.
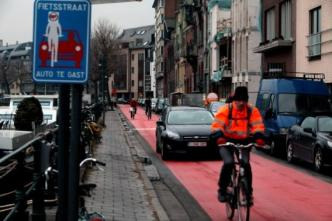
point(243, 204)
point(230, 204)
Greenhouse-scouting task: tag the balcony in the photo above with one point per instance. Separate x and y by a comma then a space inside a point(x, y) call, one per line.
point(314, 45)
point(275, 43)
point(159, 75)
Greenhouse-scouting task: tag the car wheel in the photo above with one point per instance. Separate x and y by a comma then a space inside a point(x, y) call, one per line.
point(318, 160)
point(157, 146)
point(164, 152)
point(290, 152)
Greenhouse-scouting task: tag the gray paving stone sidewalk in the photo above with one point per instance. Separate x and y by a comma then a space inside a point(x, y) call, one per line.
point(123, 190)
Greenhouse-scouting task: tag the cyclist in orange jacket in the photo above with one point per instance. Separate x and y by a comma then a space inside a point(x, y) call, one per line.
point(236, 122)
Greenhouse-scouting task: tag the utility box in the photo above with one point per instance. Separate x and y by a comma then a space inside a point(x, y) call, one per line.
point(12, 139)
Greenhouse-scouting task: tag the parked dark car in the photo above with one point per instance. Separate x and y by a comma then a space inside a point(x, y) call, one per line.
point(311, 141)
point(214, 106)
point(122, 101)
point(182, 129)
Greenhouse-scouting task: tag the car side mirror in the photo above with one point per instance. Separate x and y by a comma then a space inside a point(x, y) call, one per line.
point(160, 123)
point(269, 113)
point(308, 130)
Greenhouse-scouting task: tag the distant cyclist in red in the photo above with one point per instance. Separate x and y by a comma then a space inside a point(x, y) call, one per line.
point(133, 103)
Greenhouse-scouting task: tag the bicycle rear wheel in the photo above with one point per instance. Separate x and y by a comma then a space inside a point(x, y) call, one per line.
point(243, 204)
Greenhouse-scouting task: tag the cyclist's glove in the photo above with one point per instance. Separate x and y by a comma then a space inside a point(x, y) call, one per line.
point(259, 139)
point(216, 134)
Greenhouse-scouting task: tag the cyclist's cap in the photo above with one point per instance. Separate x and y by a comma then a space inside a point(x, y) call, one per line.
point(241, 94)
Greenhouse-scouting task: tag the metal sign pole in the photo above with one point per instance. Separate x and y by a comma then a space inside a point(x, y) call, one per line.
point(73, 173)
point(63, 142)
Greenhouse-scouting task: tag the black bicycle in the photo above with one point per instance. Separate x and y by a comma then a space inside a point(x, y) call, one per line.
point(238, 190)
point(84, 190)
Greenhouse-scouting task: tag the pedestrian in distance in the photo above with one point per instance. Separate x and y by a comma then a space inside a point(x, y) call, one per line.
point(148, 107)
point(236, 122)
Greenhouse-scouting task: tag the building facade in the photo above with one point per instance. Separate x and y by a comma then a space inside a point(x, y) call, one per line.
point(246, 35)
point(279, 38)
point(220, 41)
point(314, 38)
point(132, 77)
point(158, 5)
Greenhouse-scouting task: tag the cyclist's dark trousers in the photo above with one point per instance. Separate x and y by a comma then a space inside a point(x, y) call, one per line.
point(147, 109)
point(226, 171)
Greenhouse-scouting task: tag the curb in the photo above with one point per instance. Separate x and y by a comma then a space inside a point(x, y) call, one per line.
point(148, 172)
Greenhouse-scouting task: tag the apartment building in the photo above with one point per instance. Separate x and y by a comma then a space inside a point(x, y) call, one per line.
point(158, 5)
point(279, 36)
point(314, 38)
point(220, 41)
point(132, 77)
point(246, 35)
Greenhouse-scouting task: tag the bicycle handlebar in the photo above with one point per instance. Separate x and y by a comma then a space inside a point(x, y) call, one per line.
point(238, 146)
point(92, 160)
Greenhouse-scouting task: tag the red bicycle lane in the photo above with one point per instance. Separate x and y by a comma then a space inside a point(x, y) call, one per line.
point(280, 192)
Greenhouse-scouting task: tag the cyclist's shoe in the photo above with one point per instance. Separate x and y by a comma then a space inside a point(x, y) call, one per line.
point(222, 198)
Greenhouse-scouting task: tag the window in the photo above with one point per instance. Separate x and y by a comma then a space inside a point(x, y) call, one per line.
point(132, 70)
point(264, 102)
point(309, 122)
point(132, 83)
point(325, 124)
point(286, 19)
point(314, 44)
point(139, 41)
point(303, 104)
point(133, 57)
point(270, 24)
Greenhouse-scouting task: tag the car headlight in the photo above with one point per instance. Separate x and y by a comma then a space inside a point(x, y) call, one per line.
point(283, 131)
point(78, 48)
point(172, 135)
point(329, 143)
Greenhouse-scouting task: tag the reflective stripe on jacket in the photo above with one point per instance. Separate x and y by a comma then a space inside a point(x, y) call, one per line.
point(236, 126)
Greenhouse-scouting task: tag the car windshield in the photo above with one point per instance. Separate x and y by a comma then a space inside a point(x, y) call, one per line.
point(215, 106)
point(303, 104)
point(190, 117)
point(325, 124)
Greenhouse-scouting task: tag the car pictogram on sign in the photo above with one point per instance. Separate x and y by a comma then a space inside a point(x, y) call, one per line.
point(70, 48)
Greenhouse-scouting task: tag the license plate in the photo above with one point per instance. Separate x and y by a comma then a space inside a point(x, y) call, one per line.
point(197, 144)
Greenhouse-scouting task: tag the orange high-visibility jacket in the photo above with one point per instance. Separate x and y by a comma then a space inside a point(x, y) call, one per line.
point(236, 125)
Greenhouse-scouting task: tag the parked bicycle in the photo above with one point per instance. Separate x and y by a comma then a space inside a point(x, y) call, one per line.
point(84, 190)
point(238, 194)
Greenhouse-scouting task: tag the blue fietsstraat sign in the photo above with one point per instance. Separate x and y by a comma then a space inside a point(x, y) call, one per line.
point(61, 41)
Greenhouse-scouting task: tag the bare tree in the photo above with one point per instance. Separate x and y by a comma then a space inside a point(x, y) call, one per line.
point(103, 46)
point(18, 69)
point(3, 75)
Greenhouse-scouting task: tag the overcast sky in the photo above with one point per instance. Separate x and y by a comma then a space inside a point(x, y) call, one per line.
point(16, 17)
